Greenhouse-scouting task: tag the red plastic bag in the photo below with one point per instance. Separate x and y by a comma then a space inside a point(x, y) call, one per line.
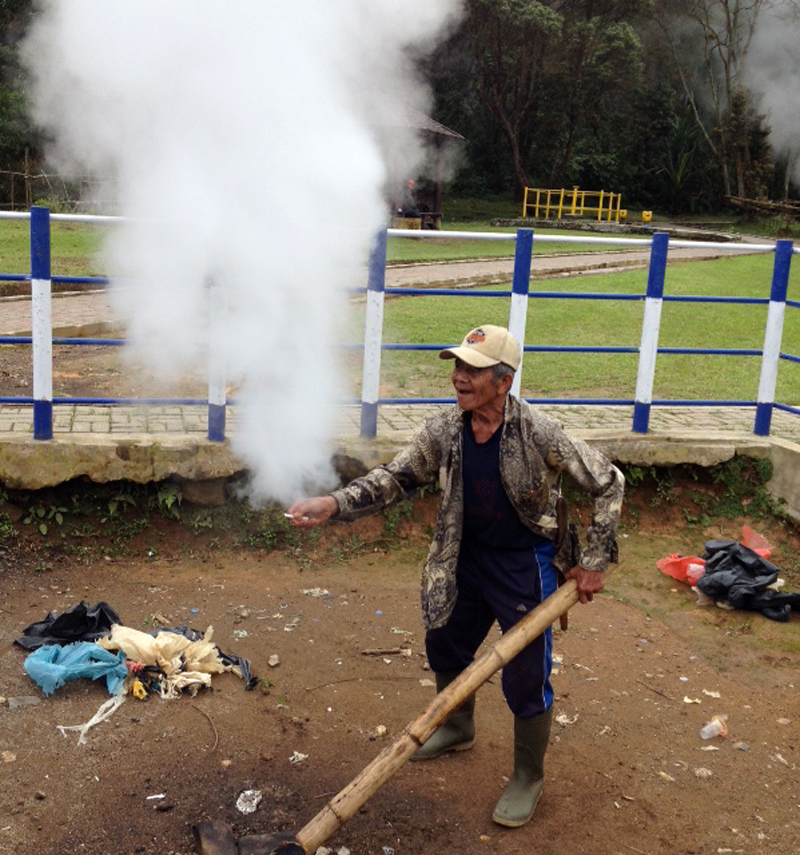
point(759, 545)
point(684, 568)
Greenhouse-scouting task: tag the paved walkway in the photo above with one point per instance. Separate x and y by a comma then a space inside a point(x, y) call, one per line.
point(394, 421)
point(89, 313)
point(500, 270)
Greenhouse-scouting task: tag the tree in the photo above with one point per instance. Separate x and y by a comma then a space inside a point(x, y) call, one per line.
point(721, 31)
point(510, 42)
point(600, 60)
point(551, 77)
point(17, 134)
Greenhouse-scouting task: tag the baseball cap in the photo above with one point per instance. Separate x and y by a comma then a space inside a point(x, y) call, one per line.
point(485, 346)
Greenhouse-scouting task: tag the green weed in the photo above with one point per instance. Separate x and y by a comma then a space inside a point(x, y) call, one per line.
point(743, 482)
point(120, 502)
point(168, 500)
point(200, 522)
point(40, 516)
point(394, 516)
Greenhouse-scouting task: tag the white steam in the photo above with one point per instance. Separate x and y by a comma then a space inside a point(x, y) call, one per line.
point(773, 72)
point(243, 141)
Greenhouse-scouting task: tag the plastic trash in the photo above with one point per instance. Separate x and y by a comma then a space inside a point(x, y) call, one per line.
point(24, 701)
point(684, 568)
point(148, 648)
point(742, 577)
point(80, 622)
point(248, 801)
point(106, 710)
point(716, 727)
point(52, 666)
point(756, 542)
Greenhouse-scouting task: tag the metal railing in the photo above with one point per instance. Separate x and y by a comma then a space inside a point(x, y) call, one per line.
point(42, 340)
point(648, 349)
point(575, 203)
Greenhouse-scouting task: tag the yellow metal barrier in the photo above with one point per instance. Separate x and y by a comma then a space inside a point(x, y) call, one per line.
point(577, 203)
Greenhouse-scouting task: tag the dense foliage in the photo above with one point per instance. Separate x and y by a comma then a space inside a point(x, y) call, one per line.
point(649, 98)
point(19, 142)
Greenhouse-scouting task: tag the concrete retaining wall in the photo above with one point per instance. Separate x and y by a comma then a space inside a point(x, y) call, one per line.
point(144, 458)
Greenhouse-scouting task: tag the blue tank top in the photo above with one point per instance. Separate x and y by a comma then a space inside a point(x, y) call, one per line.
point(489, 517)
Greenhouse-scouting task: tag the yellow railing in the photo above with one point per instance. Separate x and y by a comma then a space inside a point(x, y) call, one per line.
point(577, 203)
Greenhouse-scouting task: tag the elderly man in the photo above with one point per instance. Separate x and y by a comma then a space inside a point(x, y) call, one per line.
point(499, 463)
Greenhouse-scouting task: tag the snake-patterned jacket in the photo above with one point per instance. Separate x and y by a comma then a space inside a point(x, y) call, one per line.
point(534, 451)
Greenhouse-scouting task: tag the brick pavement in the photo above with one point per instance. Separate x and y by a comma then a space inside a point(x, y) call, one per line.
point(394, 421)
point(398, 419)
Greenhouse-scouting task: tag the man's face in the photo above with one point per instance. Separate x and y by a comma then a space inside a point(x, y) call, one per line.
point(474, 386)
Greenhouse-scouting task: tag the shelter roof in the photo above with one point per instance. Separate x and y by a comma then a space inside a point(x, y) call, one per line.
point(410, 117)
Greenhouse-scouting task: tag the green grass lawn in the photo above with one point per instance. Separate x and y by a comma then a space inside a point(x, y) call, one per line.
point(73, 248)
point(407, 250)
point(575, 322)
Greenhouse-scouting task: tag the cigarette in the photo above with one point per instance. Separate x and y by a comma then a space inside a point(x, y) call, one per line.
point(292, 516)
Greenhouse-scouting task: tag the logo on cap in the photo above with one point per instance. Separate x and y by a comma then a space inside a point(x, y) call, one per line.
point(477, 336)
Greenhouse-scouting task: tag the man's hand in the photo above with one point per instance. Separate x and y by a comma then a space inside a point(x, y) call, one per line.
point(590, 582)
point(309, 513)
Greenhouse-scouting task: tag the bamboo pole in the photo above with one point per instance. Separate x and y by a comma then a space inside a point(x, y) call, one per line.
point(349, 800)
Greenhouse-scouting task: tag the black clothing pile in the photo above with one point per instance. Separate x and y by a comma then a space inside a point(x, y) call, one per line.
point(739, 575)
point(81, 622)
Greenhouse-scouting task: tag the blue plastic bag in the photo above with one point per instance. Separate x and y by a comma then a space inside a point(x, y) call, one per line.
point(52, 666)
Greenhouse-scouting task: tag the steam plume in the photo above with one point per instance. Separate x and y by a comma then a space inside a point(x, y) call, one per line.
point(241, 141)
point(773, 72)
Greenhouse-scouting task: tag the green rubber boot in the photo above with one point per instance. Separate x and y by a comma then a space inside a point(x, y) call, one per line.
point(457, 732)
point(518, 802)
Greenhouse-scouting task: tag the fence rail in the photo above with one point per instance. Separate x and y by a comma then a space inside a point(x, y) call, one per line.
point(42, 340)
point(23, 188)
point(575, 203)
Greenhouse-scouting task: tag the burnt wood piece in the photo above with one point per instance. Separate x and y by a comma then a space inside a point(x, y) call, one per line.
point(214, 838)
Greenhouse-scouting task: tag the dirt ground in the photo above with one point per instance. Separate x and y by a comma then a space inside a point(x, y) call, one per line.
point(626, 771)
point(88, 371)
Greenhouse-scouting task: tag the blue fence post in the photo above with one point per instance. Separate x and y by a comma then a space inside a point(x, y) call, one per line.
point(771, 354)
point(41, 324)
point(217, 373)
point(518, 312)
point(373, 338)
point(651, 321)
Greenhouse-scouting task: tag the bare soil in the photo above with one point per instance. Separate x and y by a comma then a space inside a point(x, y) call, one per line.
point(93, 371)
point(625, 769)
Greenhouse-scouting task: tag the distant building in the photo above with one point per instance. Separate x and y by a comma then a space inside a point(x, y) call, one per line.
point(403, 119)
